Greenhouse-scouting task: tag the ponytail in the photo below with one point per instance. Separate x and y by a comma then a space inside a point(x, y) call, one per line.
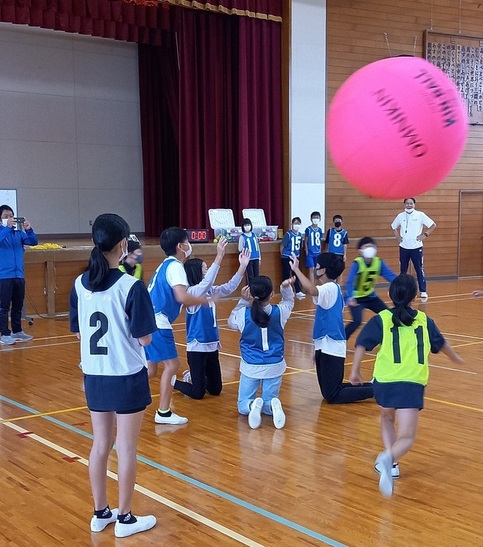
point(402, 292)
point(98, 268)
point(260, 288)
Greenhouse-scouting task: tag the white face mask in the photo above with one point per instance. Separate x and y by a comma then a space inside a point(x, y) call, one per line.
point(315, 221)
point(409, 210)
point(5, 222)
point(295, 227)
point(369, 252)
point(124, 254)
point(188, 251)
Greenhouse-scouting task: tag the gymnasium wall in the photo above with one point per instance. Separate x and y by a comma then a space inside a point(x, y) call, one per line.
point(70, 140)
point(355, 37)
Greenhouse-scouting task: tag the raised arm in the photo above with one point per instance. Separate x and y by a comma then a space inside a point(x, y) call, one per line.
point(307, 285)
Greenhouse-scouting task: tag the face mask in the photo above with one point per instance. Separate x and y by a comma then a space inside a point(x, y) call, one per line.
point(409, 210)
point(247, 228)
point(295, 227)
point(5, 222)
point(124, 254)
point(139, 259)
point(315, 221)
point(337, 223)
point(369, 252)
point(189, 251)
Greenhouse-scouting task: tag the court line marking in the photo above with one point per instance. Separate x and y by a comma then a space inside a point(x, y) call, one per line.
point(149, 493)
point(193, 482)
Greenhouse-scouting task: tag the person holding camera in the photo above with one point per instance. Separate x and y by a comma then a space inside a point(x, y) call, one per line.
point(12, 280)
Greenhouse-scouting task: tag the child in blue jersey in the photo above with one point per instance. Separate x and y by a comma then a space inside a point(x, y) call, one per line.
point(248, 240)
point(112, 315)
point(203, 339)
point(313, 243)
point(405, 338)
point(12, 278)
point(361, 281)
point(328, 332)
point(337, 238)
point(168, 290)
point(292, 243)
point(262, 349)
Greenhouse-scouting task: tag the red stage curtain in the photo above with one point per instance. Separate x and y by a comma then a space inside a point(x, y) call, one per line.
point(260, 9)
point(158, 91)
point(229, 121)
point(104, 18)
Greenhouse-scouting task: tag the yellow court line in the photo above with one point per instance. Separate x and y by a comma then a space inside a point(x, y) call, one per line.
point(41, 414)
point(449, 403)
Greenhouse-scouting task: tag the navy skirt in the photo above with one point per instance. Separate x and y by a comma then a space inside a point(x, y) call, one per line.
point(122, 394)
point(399, 394)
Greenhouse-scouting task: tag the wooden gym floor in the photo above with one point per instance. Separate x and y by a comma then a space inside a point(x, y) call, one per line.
point(214, 481)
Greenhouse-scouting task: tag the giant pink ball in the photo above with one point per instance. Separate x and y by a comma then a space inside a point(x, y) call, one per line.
point(397, 127)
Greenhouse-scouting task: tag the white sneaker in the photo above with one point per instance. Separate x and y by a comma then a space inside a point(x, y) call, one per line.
point(386, 482)
point(424, 295)
point(122, 530)
point(394, 470)
point(174, 419)
point(255, 415)
point(278, 413)
point(187, 376)
point(7, 340)
point(98, 524)
point(21, 336)
point(300, 295)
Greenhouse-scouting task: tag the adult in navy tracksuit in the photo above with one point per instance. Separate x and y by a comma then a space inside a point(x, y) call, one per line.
point(12, 280)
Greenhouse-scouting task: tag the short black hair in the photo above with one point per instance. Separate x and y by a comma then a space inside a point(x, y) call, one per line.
point(336, 216)
point(405, 199)
point(333, 264)
point(6, 208)
point(366, 241)
point(194, 271)
point(296, 218)
point(315, 214)
point(171, 238)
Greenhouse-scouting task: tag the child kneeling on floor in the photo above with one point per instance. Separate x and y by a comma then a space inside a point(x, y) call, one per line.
point(262, 348)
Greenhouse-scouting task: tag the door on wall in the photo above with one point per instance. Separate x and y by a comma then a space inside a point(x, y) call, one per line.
point(470, 248)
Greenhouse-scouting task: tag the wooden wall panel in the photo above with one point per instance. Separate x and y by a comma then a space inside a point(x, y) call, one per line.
point(355, 37)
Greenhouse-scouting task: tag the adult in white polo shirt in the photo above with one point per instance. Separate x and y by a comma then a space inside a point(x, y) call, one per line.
point(411, 228)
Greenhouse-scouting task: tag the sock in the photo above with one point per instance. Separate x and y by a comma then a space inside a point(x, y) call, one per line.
point(103, 513)
point(165, 412)
point(128, 518)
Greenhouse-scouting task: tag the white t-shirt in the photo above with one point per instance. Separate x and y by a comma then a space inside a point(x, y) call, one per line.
point(411, 226)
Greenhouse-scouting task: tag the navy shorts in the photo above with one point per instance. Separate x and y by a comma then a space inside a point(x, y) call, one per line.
point(399, 394)
point(162, 346)
point(122, 394)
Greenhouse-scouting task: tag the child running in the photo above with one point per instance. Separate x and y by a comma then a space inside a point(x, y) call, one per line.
point(262, 347)
point(203, 339)
point(112, 315)
point(406, 337)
